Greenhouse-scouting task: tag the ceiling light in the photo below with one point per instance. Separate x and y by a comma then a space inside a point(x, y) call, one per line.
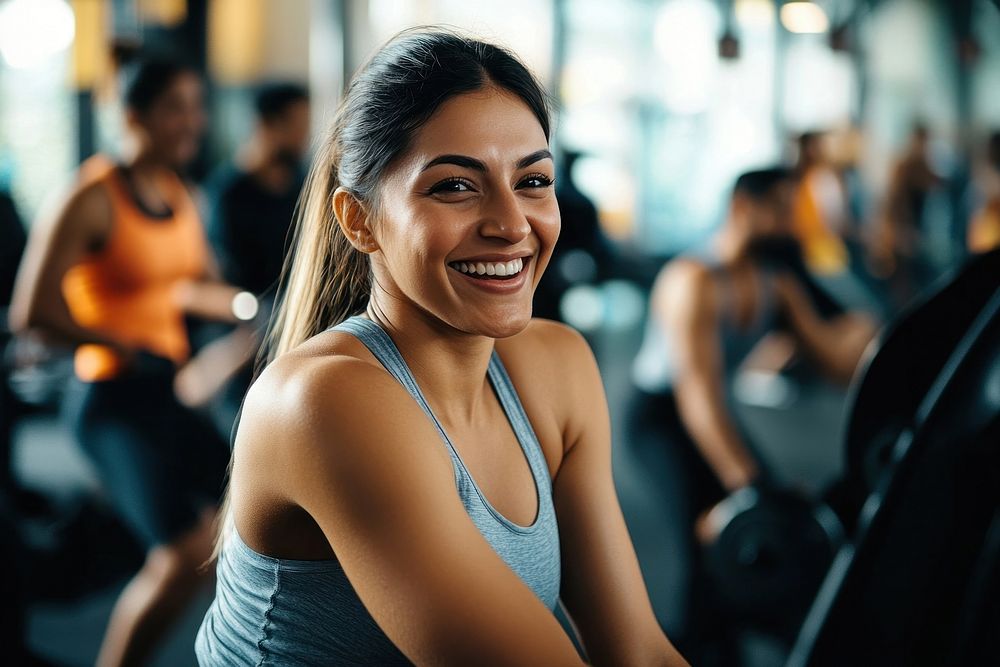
point(804, 17)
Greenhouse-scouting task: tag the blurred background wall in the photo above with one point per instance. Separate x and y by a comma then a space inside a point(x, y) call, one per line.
point(668, 99)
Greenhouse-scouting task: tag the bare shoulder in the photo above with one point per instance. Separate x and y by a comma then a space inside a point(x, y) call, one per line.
point(557, 377)
point(548, 347)
point(86, 198)
point(684, 290)
point(685, 276)
point(322, 406)
point(82, 210)
point(311, 386)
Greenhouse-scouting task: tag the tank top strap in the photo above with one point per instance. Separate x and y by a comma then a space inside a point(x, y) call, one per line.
point(378, 342)
point(382, 348)
point(518, 418)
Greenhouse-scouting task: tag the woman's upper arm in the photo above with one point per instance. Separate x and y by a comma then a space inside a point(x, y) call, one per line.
point(357, 456)
point(685, 306)
point(57, 241)
point(602, 588)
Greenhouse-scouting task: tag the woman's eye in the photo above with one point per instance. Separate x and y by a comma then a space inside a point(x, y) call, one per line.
point(536, 181)
point(450, 186)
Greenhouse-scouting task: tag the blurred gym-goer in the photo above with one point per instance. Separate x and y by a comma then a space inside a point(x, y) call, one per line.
point(820, 210)
point(984, 228)
point(708, 311)
point(898, 244)
point(253, 199)
point(113, 271)
point(252, 202)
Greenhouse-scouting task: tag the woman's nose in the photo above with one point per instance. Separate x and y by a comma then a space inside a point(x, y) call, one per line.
point(505, 219)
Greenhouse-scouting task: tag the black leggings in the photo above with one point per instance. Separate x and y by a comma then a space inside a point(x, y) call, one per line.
point(160, 463)
point(677, 486)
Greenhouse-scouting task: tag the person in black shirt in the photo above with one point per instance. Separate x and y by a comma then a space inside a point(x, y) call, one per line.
point(252, 202)
point(253, 199)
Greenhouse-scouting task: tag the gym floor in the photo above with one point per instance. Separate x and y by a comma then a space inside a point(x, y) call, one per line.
point(799, 438)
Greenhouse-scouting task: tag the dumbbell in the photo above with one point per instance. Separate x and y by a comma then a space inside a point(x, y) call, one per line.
point(772, 551)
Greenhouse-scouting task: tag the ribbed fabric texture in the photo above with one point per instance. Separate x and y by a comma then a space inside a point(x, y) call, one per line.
point(270, 611)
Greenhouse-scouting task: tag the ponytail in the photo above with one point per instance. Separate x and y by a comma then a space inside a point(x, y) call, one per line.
point(325, 280)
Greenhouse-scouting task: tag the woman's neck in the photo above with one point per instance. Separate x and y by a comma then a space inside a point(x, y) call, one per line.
point(450, 366)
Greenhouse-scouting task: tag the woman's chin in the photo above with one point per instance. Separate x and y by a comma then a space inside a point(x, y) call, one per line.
point(500, 326)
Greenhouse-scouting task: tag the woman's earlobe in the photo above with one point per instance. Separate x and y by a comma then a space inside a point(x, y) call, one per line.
point(353, 220)
point(364, 241)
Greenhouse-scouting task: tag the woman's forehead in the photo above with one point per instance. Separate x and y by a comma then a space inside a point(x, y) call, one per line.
point(489, 123)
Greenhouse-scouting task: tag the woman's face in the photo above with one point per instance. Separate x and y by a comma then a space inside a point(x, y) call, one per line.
point(173, 124)
point(468, 215)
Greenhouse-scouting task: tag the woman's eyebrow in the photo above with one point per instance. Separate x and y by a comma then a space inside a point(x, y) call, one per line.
point(479, 165)
point(537, 156)
point(460, 160)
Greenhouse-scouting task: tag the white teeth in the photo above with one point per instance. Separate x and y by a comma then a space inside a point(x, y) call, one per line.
point(510, 268)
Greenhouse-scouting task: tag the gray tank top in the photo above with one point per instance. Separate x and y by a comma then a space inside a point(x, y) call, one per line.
point(271, 611)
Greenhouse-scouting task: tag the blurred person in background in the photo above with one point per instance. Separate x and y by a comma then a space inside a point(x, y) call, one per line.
point(984, 228)
point(253, 199)
point(252, 202)
point(113, 270)
point(898, 248)
point(708, 312)
point(820, 209)
point(824, 223)
point(423, 470)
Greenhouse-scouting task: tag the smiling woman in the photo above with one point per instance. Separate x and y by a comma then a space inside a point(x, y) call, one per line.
point(422, 471)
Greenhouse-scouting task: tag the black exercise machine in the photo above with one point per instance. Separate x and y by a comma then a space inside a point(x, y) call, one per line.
point(919, 584)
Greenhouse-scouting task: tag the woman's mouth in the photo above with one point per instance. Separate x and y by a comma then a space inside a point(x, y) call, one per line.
point(490, 270)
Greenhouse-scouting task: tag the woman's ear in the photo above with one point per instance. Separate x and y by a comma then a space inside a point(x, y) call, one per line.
point(353, 220)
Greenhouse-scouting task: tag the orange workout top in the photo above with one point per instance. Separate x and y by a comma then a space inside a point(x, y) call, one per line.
point(823, 249)
point(126, 289)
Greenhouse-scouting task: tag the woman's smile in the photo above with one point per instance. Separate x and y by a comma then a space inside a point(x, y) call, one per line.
point(495, 274)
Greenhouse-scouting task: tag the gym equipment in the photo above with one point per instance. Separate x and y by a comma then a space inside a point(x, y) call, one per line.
point(911, 353)
point(920, 584)
point(770, 556)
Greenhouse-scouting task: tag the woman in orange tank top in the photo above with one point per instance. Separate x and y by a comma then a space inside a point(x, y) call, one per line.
point(114, 273)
